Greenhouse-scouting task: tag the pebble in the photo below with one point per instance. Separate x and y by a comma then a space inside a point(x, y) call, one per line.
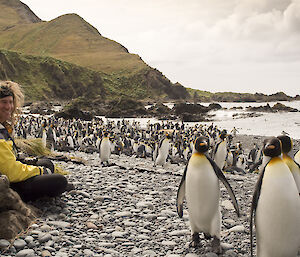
point(4, 243)
point(239, 228)
point(227, 205)
point(26, 253)
point(46, 253)
point(19, 244)
point(44, 238)
point(60, 224)
point(91, 225)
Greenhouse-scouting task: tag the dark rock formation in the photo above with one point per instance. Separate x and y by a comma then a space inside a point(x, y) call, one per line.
point(159, 110)
point(181, 108)
point(214, 106)
point(266, 108)
point(282, 107)
point(125, 108)
point(74, 112)
point(42, 108)
point(190, 112)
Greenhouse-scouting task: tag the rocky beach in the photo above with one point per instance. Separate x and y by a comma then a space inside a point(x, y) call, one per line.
point(129, 209)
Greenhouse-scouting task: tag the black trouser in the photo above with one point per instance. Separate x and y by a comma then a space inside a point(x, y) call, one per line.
point(50, 185)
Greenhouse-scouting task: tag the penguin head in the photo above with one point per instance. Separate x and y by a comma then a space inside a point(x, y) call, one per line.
point(223, 134)
point(286, 143)
point(201, 144)
point(272, 147)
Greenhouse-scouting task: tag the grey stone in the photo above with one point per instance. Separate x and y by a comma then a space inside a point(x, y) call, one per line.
point(26, 253)
point(4, 243)
point(19, 244)
point(60, 224)
point(44, 238)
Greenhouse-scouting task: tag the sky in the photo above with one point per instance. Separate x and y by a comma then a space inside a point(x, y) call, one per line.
point(245, 46)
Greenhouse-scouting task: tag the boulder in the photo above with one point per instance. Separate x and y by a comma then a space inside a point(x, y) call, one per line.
point(125, 108)
point(160, 111)
point(266, 108)
point(214, 106)
point(282, 107)
point(74, 112)
point(182, 108)
point(15, 215)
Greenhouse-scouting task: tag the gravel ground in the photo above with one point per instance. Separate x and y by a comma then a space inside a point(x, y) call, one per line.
point(129, 209)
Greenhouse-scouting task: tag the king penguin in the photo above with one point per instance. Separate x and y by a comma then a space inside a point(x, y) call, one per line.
point(220, 152)
point(294, 167)
point(163, 151)
point(200, 186)
point(104, 148)
point(276, 206)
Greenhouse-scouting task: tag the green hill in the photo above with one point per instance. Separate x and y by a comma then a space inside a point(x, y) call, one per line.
point(69, 38)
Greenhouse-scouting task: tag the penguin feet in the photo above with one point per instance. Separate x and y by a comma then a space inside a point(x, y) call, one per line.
point(216, 246)
point(195, 240)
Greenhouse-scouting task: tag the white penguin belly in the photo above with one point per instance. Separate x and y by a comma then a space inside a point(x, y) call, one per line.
point(221, 155)
point(105, 150)
point(202, 196)
point(277, 216)
point(163, 153)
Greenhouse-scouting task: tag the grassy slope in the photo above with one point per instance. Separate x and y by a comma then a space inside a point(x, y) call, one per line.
point(49, 78)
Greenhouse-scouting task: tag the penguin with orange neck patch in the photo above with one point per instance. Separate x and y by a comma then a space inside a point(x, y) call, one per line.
point(275, 207)
point(287, 146)
point(200, 186)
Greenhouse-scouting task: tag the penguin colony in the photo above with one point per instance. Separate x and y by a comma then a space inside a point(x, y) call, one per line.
point(207, 153)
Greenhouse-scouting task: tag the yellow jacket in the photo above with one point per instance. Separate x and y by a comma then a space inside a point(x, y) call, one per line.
point(9, 166)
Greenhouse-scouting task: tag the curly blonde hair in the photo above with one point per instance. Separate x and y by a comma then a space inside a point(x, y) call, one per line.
point(18, 97)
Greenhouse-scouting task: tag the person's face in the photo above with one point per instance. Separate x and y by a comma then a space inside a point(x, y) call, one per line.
point(6, 108)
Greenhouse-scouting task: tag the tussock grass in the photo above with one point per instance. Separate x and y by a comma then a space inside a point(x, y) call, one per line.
point(33, 147)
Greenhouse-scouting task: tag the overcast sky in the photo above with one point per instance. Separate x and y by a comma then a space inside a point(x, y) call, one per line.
point(214, 45)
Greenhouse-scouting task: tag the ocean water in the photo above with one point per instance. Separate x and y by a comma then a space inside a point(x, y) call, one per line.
point(267, 124)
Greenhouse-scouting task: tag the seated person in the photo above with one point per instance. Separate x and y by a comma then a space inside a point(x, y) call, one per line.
point(30, 182)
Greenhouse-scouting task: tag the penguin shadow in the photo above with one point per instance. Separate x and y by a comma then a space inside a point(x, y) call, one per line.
point(107, 164)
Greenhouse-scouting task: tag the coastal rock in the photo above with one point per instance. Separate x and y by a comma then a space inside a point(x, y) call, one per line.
point(282, 107)
point(74, 112)
point(125, 107)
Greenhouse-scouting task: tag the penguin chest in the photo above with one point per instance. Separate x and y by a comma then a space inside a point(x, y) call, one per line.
point(164, 149)
point(202, 192)
point(105, 149)
point(277, 215)
point(220, 155)
point(295, 170)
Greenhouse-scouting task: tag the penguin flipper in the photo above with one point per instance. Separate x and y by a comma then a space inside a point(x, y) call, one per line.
point(181, 194)
point(297, 163)
point(255, 199)
point(223, 179)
